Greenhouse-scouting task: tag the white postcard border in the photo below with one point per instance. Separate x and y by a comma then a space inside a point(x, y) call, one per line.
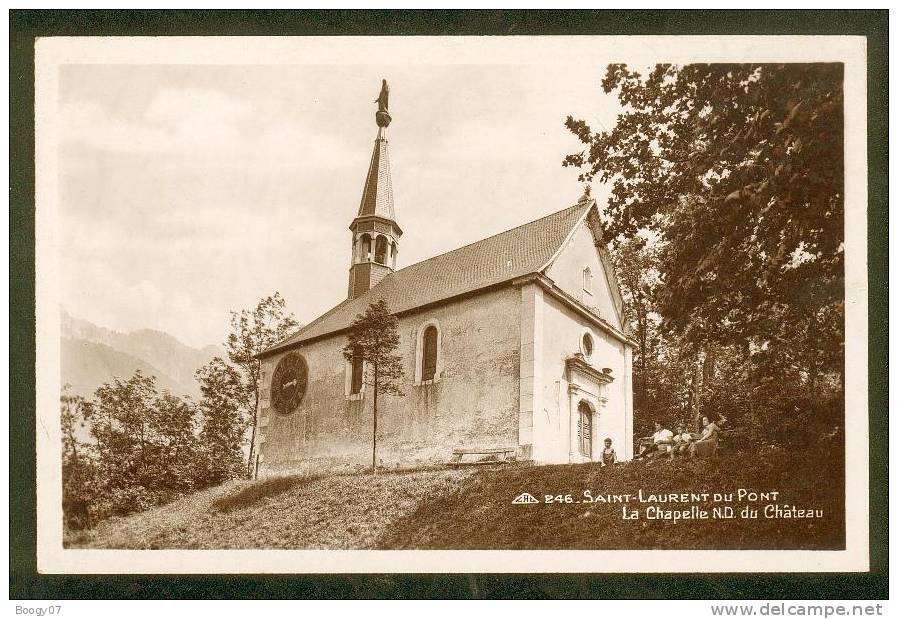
point(51, 53)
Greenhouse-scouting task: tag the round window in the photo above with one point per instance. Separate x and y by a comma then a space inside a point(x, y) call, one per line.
point(586, 345)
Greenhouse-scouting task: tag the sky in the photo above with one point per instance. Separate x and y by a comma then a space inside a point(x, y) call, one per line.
point(187, 191)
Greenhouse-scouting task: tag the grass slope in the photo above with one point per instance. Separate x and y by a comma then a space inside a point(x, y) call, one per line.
point(339, 511)
point(481, 514)
point(472, 508)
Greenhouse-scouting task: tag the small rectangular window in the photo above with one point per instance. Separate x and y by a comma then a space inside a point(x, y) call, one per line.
point(587, 280)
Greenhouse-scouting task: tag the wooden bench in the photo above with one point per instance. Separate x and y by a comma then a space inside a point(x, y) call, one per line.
point(494, 455)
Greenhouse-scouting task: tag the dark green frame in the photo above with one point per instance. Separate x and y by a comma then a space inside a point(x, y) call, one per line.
point(26, 25)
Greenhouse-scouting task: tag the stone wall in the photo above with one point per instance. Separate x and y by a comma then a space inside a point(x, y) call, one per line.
point(473, 402)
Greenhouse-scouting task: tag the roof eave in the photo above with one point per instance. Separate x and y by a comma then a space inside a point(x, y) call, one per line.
point(375, 217)
point(539, 278)
point(279, 348)
point(567, 239)
point(557, 293)
point(604, 258)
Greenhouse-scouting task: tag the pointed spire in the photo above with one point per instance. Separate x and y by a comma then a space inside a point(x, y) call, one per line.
point(377, 197)
point(375, 233)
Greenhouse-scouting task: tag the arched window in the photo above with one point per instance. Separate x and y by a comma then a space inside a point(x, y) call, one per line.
point(380, 250)
point(366, 248)
point(358, 366)
point(429, 354)
point(584, 429)
point(587, 280)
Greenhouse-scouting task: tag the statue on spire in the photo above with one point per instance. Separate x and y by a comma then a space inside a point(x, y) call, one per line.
point(383, 102)
point(383, 99)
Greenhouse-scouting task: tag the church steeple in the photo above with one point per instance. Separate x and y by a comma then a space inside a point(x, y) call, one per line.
point(375, 233)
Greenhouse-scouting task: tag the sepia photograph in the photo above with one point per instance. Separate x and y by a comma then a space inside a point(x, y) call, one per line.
point(438, 295)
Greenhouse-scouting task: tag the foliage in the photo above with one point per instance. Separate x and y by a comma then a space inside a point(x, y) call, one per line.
point(252, 331)
point(738, 169)
point(78, 469)
point(635, 265)
point(223, 432)
point(775, 395)
point(734, 173)
point(145, 445)
point(374, 336)
point(146, 448)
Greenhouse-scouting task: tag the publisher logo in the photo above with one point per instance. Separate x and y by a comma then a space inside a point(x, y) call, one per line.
point(525, 499)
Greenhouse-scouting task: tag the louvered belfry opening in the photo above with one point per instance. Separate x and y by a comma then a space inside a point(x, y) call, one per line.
point(366, 248)
point(380, 250)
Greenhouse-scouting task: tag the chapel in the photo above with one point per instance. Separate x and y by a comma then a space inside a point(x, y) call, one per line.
point(515, 343)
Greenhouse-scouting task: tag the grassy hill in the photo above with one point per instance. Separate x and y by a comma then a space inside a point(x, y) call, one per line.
point(472, 508)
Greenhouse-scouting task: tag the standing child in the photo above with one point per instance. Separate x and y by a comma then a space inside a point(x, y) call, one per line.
point(609, 456)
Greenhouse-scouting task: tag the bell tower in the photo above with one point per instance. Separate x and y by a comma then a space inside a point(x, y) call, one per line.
point(375, 233)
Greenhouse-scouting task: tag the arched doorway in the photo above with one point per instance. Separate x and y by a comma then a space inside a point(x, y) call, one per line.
point(584, 429)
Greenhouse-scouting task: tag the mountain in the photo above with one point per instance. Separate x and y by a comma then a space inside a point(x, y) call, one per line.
point(93, 355)
point(86, 365)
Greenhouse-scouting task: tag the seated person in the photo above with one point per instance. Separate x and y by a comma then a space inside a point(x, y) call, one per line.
point(681, 441)
point(706, 445)
point(609, 456)
point(662, 436)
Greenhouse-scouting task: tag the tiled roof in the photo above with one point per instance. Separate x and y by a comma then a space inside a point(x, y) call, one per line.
point(377, 197)
point(494, 260)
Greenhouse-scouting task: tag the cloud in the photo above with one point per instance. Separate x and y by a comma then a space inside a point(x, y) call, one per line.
point(185, 106)
point(184, 120)
point(190, 191)
point(88, 123)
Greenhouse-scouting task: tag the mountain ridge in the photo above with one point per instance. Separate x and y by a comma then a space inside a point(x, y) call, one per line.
point(92, 355)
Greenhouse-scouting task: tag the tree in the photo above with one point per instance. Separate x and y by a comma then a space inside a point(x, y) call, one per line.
point(735, 171)
point(174, 439)
point(224, 424)
point(252, 331)
point(373, 338)
point(146, 445)
point(77, 464)
point(738, 169)
point(635, 263)
point(124, 455)
point(149, 447)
